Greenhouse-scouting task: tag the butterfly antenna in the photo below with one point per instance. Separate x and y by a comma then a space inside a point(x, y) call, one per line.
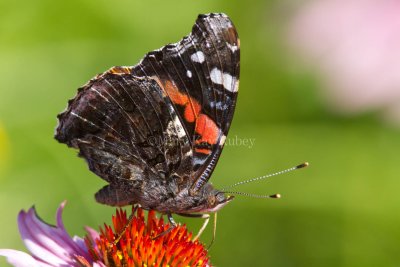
point(300, 166)
point(252, 195)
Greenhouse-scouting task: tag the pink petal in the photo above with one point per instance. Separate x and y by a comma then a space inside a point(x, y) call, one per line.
point(51, 244)
point(93, 234)
point(78, 249)
point(37, 240)
point(99, 264)
point(21, 259)
point(80, 242)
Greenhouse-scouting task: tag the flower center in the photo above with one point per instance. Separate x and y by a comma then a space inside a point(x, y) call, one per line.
point(136, 246)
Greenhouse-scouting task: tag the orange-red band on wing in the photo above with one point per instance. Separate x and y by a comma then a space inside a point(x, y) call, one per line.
point(203, 150)
point(205, 126)
point(192, 107)
point(207, 129)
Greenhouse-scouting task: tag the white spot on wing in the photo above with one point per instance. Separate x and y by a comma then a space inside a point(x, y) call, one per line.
point(216, 76)
point(219, 105)
point(228, 82)
point(233, 48)
point(175, 128)
point(236, 86)
point(189, 74)
point(225, 79)
point(222, 140)
point(197, 57)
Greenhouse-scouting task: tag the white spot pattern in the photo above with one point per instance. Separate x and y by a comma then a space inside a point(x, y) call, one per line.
point(223, 78)
point(222, 140)
point(233, 48)
point(175, 128)
point(197, 57)
point(189, 74)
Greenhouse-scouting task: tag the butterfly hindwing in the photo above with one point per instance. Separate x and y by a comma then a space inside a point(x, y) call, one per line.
point(120, 123)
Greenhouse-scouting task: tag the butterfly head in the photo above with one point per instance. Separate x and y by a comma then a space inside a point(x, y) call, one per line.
point(216, 200)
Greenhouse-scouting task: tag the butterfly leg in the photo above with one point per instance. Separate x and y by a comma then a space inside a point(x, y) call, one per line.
point(214, 230)
point(120, 234)
point(203, 227)
point(172, 226)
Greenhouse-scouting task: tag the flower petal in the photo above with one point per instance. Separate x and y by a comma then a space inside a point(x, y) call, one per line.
point(50, 243)
point(37, 241)
point(93, 234)
point(79, 242)
point(60, 225)
point(21, 259)
point(99, 264)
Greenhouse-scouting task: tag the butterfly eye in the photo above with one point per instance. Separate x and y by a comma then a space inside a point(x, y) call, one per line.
point(211, 201)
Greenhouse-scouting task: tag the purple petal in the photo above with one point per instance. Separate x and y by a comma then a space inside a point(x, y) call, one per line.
point(38, 238)
point(93, 234)
point(21, 259)
point(77, 248)
point(49, 243)
point(41, 239)
point(99, 264)
point(80, 242)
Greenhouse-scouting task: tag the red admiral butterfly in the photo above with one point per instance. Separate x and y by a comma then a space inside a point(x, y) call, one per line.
point(155, 131)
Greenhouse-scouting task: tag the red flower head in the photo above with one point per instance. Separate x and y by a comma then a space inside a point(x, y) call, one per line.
point(138, 247)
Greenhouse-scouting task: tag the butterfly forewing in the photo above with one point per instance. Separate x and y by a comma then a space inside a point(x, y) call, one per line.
point(200, 74)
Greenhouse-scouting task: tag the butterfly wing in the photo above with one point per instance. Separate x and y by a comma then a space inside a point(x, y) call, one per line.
point(165, 118)
point(120, 124)
point(200, 74)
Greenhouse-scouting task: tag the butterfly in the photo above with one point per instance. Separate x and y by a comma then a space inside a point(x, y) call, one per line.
point(155, 131)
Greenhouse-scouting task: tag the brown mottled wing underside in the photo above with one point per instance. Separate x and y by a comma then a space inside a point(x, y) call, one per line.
point(120, 123)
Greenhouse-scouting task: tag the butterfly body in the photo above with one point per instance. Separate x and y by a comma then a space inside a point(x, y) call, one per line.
point(154, 131)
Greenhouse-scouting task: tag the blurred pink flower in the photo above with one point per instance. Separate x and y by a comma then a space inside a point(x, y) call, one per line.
point(48, 245)
point(355, 44)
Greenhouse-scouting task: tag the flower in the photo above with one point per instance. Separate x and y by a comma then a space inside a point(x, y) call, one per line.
point(138, 247)
point(354, 43)
point(52, 246)
point(48, 245)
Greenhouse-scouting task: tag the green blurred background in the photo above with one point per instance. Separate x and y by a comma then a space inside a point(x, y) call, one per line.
point(341, 211)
